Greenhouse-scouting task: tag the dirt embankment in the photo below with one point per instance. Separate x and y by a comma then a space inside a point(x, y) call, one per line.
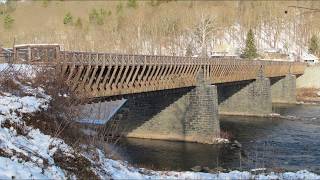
point(310, 77)
point(308, 95)
point(308, 85)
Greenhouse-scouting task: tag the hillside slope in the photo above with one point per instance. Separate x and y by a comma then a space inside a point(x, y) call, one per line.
point(159, 27)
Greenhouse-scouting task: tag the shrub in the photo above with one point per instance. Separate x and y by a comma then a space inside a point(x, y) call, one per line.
point(154, 3)
point(57, 121)
point(132, 3)
point(8, 81)
point(119, 8)
point(109, 13)
point(60, 120)
point(68, 19)
point(8, 21)
point(78, 23)
point(226, 135)
point(98, 17)
point(314, 45)
point(45, 3)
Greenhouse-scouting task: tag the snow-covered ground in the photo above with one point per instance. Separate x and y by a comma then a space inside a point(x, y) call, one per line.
point(27, 70)
point(23, 155)
point(121, 170)
point(27, 153)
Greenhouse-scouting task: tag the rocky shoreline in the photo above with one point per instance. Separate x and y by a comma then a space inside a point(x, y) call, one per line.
point(308, 96)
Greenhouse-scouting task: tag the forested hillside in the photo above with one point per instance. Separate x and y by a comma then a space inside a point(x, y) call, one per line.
point(160, 27)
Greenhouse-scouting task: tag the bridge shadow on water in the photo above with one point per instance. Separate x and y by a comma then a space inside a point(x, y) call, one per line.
point(266, 142)
point(172, 155)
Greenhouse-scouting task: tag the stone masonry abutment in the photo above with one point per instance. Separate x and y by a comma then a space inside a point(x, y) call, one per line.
point(283, 89)
point(251, 98)
point(189, 114)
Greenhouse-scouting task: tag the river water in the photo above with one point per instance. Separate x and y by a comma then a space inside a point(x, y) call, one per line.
point(292, 143)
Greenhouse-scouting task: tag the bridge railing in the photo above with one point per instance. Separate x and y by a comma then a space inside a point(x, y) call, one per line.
point(6, 55)
point(108, 74)
point(216, 70)
point(35, 53)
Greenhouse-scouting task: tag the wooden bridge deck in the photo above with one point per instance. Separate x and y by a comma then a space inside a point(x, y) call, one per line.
point(105, 74)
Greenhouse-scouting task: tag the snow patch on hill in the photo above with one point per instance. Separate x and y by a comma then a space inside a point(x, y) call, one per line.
point(232, 40)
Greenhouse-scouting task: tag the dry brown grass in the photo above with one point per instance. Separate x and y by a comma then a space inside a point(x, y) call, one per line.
point(59, 119)
point(11, 80)
point(78, 165)
point(226, 135)
point(18, 127)
point(8, 83)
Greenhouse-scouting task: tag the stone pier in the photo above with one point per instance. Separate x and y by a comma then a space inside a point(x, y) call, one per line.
point(189, 114)
point(283, 89)
point(251, 98)
point(201, 123)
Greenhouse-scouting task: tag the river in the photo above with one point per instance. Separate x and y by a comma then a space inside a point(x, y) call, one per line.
point(291, 143)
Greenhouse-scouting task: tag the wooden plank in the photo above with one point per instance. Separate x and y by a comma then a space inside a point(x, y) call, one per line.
point(93, 76)
point(96, 84)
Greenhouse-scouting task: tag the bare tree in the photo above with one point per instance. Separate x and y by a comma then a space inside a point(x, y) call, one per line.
point(203, 30)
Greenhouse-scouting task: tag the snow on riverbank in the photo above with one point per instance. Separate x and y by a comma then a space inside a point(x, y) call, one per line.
point(27, 153)
point(25, 69)
point(121, 170)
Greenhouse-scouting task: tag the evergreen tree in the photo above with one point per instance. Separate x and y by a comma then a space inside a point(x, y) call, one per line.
point(314, 46)
point(250, 50)
point(8, 21)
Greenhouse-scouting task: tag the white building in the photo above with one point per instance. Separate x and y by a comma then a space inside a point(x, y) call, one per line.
point(223, 54)
point(309, 58)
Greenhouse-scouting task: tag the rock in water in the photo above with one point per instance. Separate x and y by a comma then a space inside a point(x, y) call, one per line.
point(217, 170)
point(196, 168)
point(206, 169)
point(236, 144)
